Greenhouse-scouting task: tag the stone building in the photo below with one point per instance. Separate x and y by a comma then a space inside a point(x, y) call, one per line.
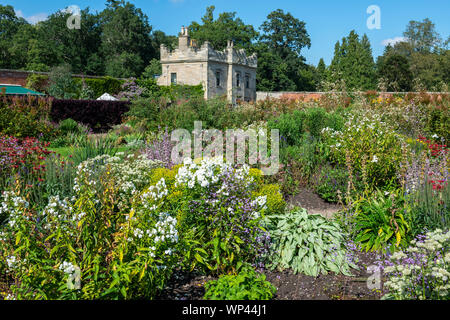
point(230, 72)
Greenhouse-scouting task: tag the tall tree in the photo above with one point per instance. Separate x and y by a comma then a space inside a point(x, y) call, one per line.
point(426, 53)
point(9, 26)
point(126, 37)
point(321, 74)
point(395, 70)
point(218, 31)
point(281, 66)
point(353, 62)
point(422, 35)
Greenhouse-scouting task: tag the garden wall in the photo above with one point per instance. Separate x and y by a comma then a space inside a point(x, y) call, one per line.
point(307, 96)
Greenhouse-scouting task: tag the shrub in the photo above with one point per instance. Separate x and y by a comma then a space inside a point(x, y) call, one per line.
point(307, 244)
point(99, 115)
point(371, 146)
point(68, 126)
point(26, 117)
point(100, 86)
point(218, 217)
point(275, 202)
point(246, 285)
point(293, 125)
point(22, 163)
point(421, 272)
point(87, 240)
point(37, 82)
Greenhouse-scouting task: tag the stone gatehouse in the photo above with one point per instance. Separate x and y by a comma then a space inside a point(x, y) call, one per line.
point(229, 73)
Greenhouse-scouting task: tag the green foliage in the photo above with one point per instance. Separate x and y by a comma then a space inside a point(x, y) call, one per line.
point(382, 221)
point(246, 285)
point(61, 84)
point(307, 244)
point(274, 202)
point(395, 70)
point(125, 65)
point(125, 56)
point(429, 209)
point(219, 31)
point(37, 82)
point(438, 121)
point(330, 182)
point(159, 112)
point(353, 62)
point(102, 85)
point(281, 67)
point(293, 125)
point(369, 145)
point(68, 126)
point(91, 147)
point(26, 117)
point(152, 70)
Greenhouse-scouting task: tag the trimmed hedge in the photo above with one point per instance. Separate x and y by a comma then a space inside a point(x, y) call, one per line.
point(99, 115)
point(101, 85)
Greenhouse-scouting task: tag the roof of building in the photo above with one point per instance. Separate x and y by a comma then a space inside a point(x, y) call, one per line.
point(17, 90)
point(108, 97)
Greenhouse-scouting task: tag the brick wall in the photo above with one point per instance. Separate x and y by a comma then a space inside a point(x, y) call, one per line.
point(20, 77)
point(13, 77)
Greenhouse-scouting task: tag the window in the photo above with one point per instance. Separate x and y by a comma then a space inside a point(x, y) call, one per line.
point(173, 78)
point(218, 79)
point(247, 81)
point(238, 79)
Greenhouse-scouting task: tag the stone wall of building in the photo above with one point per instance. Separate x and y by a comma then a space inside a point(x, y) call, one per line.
point(195, 65)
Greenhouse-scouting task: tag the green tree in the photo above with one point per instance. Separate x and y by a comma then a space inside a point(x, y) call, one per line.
point(422, 35)
point(321, 74)
point(353, 62)
point(281, 66)
point(9, 26)
point(54, 44)
point(126, 36)
point(152, 70)
point(226, 27)
point(427, 54)
point(395, 70)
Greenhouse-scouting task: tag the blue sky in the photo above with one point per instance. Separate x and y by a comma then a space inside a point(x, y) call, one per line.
point(327, 21)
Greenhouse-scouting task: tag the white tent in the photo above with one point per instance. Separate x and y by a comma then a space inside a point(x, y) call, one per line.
point(107, 96)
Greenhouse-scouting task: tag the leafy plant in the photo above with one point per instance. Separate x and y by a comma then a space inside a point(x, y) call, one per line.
point(308, 244)
point(382, 220)
point(89, 148)
point(246, 285)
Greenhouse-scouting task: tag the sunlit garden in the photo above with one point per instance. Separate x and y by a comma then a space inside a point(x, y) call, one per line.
point(107, 215)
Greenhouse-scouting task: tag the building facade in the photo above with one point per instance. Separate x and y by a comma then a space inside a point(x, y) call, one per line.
point(229, 73)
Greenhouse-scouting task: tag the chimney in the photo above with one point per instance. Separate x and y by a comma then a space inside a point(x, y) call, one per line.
point(183, 39)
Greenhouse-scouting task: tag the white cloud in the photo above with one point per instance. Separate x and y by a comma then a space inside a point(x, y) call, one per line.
point(34, 18)
point(393, 41)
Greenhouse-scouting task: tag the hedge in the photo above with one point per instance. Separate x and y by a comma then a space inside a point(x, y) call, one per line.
point(101, 85)
point(99, 115)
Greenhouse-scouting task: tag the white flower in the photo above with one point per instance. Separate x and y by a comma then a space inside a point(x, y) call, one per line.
point(374, 159)
point(67, 267)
